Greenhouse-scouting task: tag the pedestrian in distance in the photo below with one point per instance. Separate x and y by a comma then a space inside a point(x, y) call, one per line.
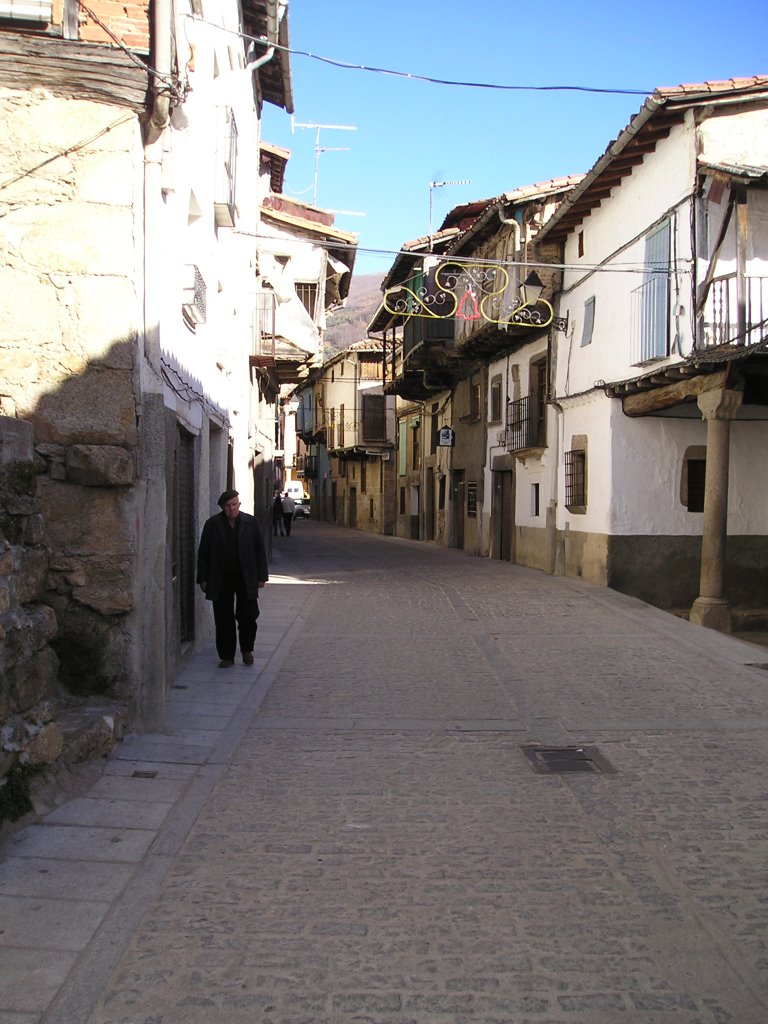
point(231, 569)
point(289, 508)
point(277, 515)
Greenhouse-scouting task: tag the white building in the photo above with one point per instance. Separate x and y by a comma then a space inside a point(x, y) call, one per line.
point(127, 324)
point(659, 386)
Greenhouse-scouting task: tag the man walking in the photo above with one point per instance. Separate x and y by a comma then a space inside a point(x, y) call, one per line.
point(289, 508)
point(231, 569)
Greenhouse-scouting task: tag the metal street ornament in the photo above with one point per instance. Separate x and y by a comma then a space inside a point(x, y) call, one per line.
point(470, 292)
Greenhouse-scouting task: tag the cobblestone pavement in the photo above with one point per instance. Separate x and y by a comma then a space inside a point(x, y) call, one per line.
point(350, 832)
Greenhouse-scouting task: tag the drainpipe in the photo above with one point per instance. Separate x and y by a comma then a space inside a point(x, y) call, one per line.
point(514, 224)
point(161, 96)
point(151, 493)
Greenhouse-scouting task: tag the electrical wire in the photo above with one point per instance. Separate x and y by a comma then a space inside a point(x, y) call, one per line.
point(464, 85)
point(635, 267)
point(168, 80)
point(348, 66)
point(185, 390)
point(124, 119)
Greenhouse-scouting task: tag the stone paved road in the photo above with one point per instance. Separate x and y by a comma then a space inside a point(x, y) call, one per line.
point(350, 832)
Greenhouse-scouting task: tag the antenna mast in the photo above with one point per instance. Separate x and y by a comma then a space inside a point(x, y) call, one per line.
point(323, 149)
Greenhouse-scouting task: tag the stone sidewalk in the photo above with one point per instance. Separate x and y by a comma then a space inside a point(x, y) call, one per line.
point(350, 830)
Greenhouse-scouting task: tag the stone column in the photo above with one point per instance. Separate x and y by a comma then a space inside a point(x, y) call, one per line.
point(711, 608)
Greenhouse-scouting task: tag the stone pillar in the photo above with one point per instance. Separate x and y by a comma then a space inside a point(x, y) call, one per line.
point(718, 407)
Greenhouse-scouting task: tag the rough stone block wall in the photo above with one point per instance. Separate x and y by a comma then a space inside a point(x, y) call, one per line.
point(69, 315)
point(40, 725)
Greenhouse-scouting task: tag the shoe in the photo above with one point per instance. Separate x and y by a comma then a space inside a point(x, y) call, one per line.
point(247, 657)
point(226, 663)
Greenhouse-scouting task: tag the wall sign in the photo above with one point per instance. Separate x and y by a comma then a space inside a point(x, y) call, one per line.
point(446, 438)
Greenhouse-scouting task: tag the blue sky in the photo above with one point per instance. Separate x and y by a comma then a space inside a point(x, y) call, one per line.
point(410, 133)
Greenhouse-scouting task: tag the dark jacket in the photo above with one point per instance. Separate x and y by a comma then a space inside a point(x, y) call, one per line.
point(212, 550)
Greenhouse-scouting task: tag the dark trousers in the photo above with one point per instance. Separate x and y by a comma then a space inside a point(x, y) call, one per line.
point(288, 520)
point(235, 614)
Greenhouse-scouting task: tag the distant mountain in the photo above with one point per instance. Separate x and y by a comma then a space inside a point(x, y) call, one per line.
point(347, 326)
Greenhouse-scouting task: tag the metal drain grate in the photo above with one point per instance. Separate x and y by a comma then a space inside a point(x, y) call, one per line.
point(562, 760)
point(144, 775)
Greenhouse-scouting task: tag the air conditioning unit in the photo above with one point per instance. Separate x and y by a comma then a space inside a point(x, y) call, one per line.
point(27, 10)
point(193, 294)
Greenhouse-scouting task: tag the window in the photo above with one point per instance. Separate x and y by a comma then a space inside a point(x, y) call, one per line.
point(496, 400)
point(581, 243)
point(589, 321)
point(226, 163)
point(474, 396)
point(434, 429)
point(576, 480)
point(374, 418)
point(534, 500)
point(307, 292)
point(539, 393)
point(416, 446)
point(363, 476)
point(650, 302)
point(692, 478)
point(471, 498)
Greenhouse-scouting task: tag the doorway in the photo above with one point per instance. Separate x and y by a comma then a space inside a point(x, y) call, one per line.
point(458, 491)
point(503, 516)
point(353, 507)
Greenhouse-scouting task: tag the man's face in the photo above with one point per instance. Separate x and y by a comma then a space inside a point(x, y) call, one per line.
point(232, 508)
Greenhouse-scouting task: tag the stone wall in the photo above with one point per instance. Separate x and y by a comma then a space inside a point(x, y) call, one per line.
point(40, 724)
point(70, 316)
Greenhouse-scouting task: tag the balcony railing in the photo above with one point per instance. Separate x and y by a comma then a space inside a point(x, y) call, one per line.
point(523, 426)
point(734, 315)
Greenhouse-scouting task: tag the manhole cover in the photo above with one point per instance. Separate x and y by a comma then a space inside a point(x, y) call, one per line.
point(561, 760)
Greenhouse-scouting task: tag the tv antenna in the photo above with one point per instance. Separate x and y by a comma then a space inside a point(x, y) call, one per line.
point(323, 149)
point(440, 184)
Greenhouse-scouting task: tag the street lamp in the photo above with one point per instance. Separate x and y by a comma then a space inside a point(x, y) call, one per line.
point(531, 289)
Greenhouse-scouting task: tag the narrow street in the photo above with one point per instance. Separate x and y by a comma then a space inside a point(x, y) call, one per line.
point(351, 830)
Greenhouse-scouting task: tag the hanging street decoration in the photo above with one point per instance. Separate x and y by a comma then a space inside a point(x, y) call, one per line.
point(470, 292)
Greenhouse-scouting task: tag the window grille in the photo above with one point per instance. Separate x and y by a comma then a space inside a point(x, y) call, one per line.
point(264, 323)
point(575, 479)
point(307, 292)
point(523, 424)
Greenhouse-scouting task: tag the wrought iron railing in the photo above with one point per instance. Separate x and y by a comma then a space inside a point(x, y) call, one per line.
point(735, 312)
point(523, 424)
